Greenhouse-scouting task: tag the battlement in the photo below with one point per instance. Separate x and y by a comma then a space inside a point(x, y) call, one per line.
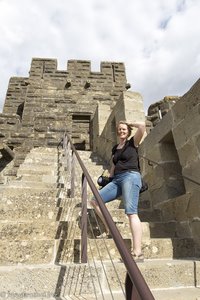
point(113, 72)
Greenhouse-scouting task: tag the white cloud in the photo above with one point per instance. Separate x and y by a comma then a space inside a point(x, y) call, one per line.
point(157, 40)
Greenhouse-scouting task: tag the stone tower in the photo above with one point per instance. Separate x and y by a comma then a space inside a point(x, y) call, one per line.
point(39, 108)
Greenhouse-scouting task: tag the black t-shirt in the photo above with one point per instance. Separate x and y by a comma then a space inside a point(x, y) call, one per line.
point(125, 159)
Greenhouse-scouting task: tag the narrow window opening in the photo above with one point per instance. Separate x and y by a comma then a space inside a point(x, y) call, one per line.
point(81, 131)
point(113, 72)
point(20, 110)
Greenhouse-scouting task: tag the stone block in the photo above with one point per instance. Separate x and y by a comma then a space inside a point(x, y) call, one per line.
point(193, 209)
point(187, 152)
point(197, 269)
point(157, 248)
point(175, 209)
point(183, 229)
point(195, 228)
point(184, 130)
point(31, 230)
point(26, 252)
point(18, 283)
point(175, 273)
point(187, 103)
point(179, 293)
point(29, 205)
point(159, 132)
point(150, 215)
point(192, 171)
point(161, 229)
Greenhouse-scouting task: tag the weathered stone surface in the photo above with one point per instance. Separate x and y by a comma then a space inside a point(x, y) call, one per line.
point(177, 273)
point(172, 149)
point(188, 293)
point(39, 226)
point(26, 252)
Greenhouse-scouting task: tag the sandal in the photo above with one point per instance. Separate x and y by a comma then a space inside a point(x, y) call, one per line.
point(138, 258)
point(104, 235)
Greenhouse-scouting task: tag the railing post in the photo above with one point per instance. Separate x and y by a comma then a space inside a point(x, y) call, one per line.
point(131, 291)
point(84, 221)
point(73, 175)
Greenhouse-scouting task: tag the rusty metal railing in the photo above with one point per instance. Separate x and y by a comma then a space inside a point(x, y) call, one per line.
point(135, 285)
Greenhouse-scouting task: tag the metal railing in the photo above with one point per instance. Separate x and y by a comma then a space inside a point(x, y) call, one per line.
point(135, 285)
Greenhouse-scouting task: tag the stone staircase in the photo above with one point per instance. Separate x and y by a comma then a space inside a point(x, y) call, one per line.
point(40, 240)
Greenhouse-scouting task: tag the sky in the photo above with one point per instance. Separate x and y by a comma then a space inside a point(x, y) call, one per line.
point(158, 40)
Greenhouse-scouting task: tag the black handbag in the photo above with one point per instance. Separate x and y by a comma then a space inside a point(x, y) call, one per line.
point(144, 186)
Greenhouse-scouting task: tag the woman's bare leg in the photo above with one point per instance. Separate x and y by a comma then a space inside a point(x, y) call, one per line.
point(98, 212)
point(136, 230)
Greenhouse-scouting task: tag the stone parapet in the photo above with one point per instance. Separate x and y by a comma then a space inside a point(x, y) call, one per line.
point(170, 161)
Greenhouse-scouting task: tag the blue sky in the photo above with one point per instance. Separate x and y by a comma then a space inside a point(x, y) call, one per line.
point(157, 40)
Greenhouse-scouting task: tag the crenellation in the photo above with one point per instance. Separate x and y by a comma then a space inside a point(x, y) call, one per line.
point(40, 66)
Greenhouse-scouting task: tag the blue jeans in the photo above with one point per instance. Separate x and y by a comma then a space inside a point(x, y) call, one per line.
point(127, 185)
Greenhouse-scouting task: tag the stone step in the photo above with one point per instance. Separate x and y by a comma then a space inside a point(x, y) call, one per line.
point(51, 209)
point(35, 211)
point(152, 249)
point(51, 169)
point(39, 224)
point(54, 281)
point(150, 229)
point(43, 250)
point(88, 155)
point(26, 282)
point(38, 207)
point(26, 252)
point(44, 159)
point(189, 293)
point(91, 165)
point(168, 274)
point(39, 230)
point(46, 178)
point(21, 184)
point(46, 153)
point(145, 215)
point(8, 190)
point(32, 196)
point(118, 204)
point(119, 215)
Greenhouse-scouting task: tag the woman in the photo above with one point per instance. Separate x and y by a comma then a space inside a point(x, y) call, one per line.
point(126, 181)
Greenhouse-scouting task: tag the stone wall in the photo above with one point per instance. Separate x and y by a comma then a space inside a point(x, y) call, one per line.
point(50, 101)
point(38, 109)
point(173, 150)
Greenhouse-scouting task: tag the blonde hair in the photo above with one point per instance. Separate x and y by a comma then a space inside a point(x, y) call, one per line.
point(129, 126)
